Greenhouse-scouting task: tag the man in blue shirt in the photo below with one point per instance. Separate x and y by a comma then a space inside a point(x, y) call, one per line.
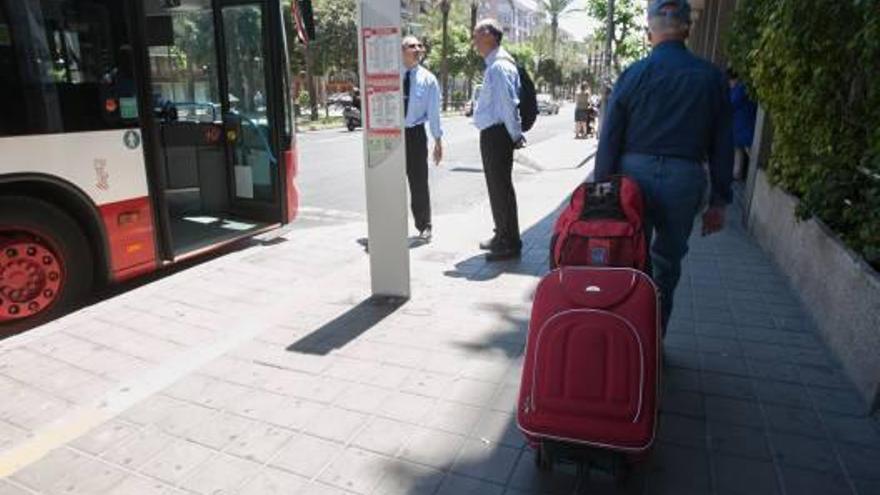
point(496, 115)
point(421, 103)
point(669, 113)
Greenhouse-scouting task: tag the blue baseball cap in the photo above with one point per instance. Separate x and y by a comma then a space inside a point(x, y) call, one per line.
point(679, 9)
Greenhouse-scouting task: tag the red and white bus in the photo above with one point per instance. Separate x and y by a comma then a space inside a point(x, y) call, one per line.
point(134, 134)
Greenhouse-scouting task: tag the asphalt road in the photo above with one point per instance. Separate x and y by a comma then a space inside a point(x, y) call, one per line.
point(331, 174)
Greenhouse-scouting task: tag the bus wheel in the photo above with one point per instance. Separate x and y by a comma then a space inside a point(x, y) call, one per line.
point(46, 266)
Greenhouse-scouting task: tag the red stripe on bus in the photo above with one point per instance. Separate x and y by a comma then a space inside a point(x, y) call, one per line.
point(290, 163)
point(131, 237)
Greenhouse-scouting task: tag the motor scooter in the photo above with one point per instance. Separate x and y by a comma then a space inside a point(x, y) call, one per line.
point(352, 116)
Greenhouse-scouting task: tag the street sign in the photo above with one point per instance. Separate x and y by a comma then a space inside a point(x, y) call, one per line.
point(384, 149)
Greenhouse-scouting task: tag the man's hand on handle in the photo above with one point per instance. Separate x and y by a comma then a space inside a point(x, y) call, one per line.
point(713, 220)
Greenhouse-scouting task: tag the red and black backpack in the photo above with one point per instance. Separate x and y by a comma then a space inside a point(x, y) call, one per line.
point(602, 226)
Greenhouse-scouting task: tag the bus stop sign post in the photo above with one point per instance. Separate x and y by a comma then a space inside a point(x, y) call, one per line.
point(384, 149)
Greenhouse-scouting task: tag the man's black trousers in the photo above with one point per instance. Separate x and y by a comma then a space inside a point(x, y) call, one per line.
point(496, 148)
point(417, 175)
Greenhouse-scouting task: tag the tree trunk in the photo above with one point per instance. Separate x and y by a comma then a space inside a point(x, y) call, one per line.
point(310, 84)
point(444, 63)
point(470, 91)
point(609, 39)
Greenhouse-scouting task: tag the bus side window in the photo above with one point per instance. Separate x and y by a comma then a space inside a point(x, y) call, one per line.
point(66, 67)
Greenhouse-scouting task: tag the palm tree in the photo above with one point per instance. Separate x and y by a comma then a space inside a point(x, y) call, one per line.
point(444, 64)
point(555, 9)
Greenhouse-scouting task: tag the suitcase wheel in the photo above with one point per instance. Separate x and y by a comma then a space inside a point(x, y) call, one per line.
point(543, 459)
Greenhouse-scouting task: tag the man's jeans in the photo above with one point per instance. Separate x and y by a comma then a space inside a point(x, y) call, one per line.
point(673, 189)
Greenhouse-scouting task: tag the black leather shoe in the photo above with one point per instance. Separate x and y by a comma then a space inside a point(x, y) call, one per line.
point(490, 244)
point(504, 253)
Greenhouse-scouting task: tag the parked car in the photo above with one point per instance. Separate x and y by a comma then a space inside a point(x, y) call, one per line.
point(470, 104)
point(547, 105)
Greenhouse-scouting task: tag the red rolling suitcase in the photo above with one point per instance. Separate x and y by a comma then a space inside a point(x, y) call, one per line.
point(591, 374)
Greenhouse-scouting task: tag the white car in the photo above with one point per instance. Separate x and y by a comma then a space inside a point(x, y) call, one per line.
point(546, 104)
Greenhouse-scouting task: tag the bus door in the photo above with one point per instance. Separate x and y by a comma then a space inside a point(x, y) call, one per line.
point(216, 78)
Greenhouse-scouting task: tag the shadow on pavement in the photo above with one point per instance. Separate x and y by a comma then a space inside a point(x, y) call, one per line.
point(347, 326)
point(533, 262)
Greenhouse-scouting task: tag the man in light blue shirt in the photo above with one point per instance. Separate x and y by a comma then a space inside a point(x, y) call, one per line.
point(496, 115)
point(421, 104)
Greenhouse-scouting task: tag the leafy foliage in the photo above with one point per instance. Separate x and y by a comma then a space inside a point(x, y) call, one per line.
point(629, 42)
point(814, 66)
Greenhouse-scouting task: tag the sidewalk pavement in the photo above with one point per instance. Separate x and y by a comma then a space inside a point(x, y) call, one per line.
point(268, 371)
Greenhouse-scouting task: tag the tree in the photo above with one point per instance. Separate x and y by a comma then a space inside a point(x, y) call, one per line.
point(554, 9)
point(444, 64)
point(627, 36)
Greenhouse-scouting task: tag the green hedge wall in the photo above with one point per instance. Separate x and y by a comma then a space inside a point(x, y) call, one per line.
point(814, 65)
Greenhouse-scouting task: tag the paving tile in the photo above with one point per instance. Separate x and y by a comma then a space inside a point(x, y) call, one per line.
point(139, 485)
point(433, 448)
point(92, 476)
point(804, 452)
point(526, 477)
point(719, 363)
point(306, 455)
point(506, 398)
point(10, 489)
point(104, 437)
point(260, 443)
point(139, 449)
point(356, 470)
point(682, 379)
point(43, 474)
point(867, 487)
point(861, 462)
point(766, 370)
point(271, 481)
point(383, 436)
point(471, 392)
point(491, 462)
point(453, 417)
point(10, 435)
point(733, 411)
point(682, 430)
point(176, 460)
point(336, 424)
point(763, 351)
point(220, 474)
point(454, 484)
point(852, 429)
point(498, 428)
point(803, 421)
point(719, 345)
point(824, 376)
point(675, 469)
point(363, 398)
point(407, 407)
point(220, 430)
point(783, 394)
point(807, 482)
point(681, 358)
point(295, 413)
point(681, 341)
point(685, 403)
point(406, 478)
point(741, 476)
point(838, 401)
point(739, 440)
point(727, 385)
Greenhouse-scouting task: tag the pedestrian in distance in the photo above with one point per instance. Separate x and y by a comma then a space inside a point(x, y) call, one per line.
point(744, 113)
point(668, 114)
point(497, 117)
point(421, 104)
point(582, 106)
